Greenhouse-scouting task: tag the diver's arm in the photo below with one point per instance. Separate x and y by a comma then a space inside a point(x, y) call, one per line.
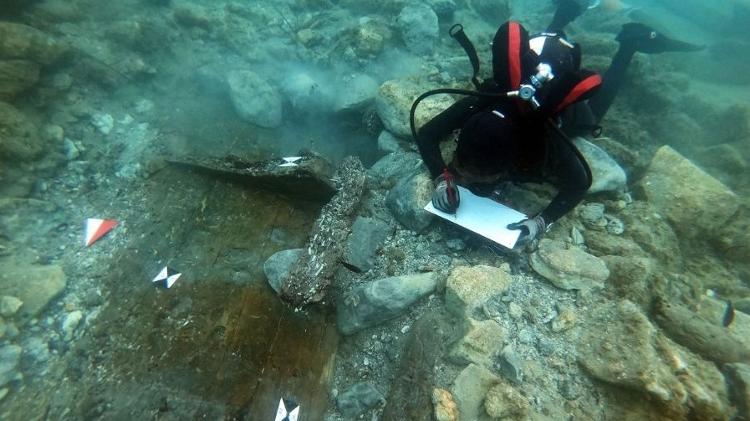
point(571, 181)
point(434, 131)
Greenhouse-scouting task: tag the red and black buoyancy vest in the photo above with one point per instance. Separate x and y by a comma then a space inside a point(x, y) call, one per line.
point(516, 55)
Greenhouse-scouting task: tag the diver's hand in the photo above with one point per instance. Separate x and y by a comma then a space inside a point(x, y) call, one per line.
point(531, 229)
point(446, 197)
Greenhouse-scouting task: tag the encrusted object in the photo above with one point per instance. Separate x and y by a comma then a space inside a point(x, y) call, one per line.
point(315, 269)
point(445, 407)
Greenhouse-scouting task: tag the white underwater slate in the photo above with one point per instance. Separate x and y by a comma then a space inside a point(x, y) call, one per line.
point(484, 217)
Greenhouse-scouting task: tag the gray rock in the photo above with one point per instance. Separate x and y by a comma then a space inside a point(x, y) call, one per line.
point(387, 142)
point(568, 268)
point(696, 204)
point(444, 9)
point(9, 305)
point(356, 93)
point(10, 357)
point(279, 265)
point(255, 99)
point(35, 356)
point(368, 235)
point(17, 76)
point(24, 42)
point(36, 286)
point(381, 300)
point(407, 200)
point(418, 24)
point(469, 390)
point(511, 366)
point(394, 167)
point(395, 98)
point(739, 379)
point(468, 287)
point(620, 346)
point(606, 173)
point(592, 216)
point(358, 399)
point(70, 323)
point(479, 345)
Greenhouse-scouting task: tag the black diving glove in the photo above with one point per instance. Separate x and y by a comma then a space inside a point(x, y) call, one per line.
point(531, 229)
point(446, 197)
point(646, 39)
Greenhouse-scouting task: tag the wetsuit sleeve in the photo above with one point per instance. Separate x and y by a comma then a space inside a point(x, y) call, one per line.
point(434, 131)
point(568, 174)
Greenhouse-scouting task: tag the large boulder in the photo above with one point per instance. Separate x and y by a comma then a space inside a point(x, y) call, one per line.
point(19, 138)
point(356, 93)
point(468, 287)
point(568, 267)
point(620, 346)
point(23, 42)
point(17, 76)
point(381, 300)
point(394, 100)
point(607, 175)
point(255, 99)
point(419, 28)
point(394, 167)
point(36, 286)
point(407, 200)
point(696, 204)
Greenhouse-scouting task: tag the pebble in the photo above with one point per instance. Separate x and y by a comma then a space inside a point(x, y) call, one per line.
point(70, 323)
point(510, 365)
point(515, 311)
point(103, 122)
point(9, 305)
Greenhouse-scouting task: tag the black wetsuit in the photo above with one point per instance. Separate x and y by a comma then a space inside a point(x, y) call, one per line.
point(543, 156)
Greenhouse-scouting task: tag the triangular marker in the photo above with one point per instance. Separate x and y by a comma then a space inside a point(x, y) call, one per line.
point(284, 414)
point(96, 228)
point(167, 277)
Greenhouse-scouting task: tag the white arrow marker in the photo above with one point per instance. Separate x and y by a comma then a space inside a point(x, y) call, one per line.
point(283, 413)
point(167, 277)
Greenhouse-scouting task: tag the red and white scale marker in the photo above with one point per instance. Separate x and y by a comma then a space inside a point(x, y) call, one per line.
point(97, 228)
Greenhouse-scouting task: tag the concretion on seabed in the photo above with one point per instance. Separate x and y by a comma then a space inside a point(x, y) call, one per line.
point(219, 343)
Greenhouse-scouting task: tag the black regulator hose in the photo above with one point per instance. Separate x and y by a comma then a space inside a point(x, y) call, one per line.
point(550, 122)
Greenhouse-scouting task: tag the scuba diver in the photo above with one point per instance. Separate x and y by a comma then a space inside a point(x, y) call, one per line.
point(516, 127)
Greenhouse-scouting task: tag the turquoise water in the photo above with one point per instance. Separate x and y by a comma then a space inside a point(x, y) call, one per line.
point(635, 306)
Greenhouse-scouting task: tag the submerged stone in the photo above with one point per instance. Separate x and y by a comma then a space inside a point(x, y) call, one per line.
point(395, 98)
point(10, 357)
point(568, 268)
point(36, 286)
point(479, 345)
point(695, 203)
point(503, 402)
point(407, 200)
point(468, 287)
point(255, 99)
point(358, 399)
point(368, 235)
point(607, 175)
point(381, 300)
point(278, 267)
point(419, 27)
point(17, 76)
point(469, 390)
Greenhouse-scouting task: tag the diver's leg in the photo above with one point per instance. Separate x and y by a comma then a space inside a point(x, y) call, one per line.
point(567, 11)
point(634, 37)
